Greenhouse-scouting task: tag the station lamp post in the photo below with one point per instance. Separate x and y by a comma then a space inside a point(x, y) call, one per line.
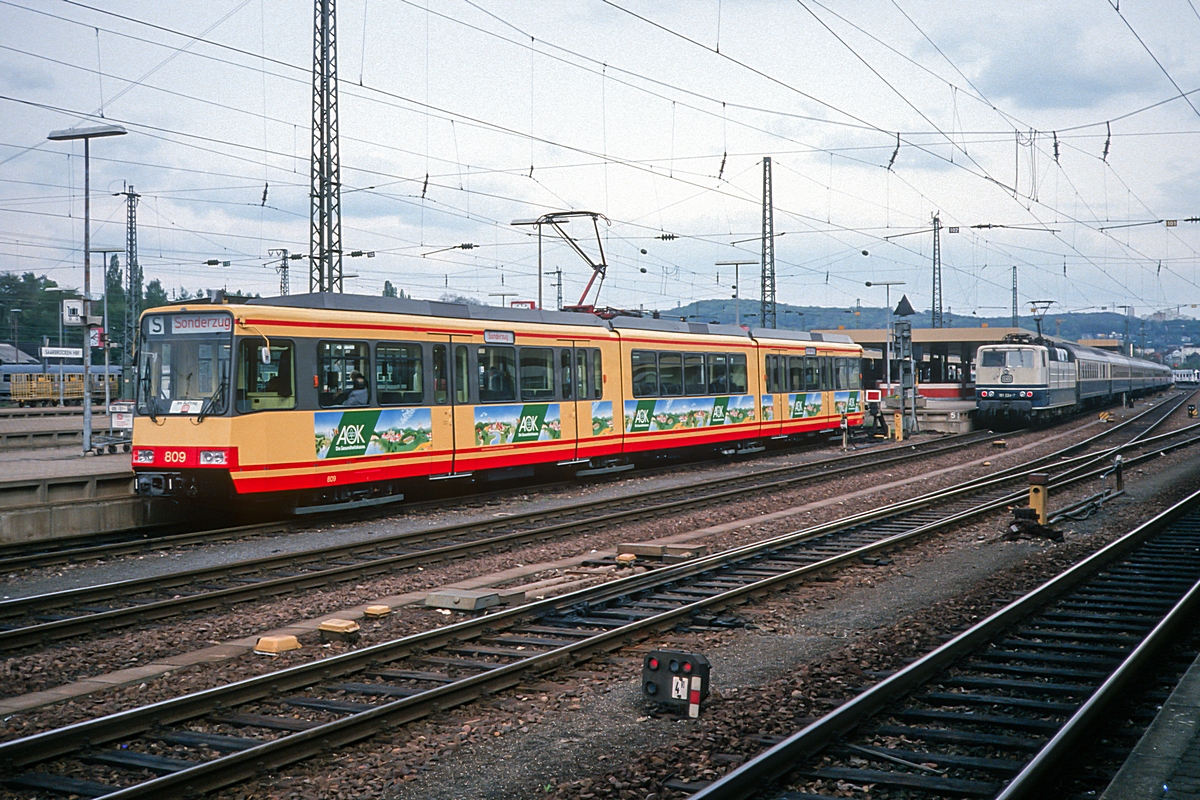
point(87, 134)
point(737, 293)
point(887, 342)
point(15, 315)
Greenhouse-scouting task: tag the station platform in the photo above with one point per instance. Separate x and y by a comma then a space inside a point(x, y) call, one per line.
point(57, 492)
point(939, 415)
point(1166, 762)
point(25, 432)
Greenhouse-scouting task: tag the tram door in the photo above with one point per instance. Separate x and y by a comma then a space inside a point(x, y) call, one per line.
point(575, 414)
point(451, 399)
point(774, 399)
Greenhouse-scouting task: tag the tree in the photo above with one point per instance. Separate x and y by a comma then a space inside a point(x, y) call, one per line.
point(388, 289)
point(156, 295)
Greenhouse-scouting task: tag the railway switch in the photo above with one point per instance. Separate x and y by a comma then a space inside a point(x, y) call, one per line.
point(1038, 489)
point(676, 680)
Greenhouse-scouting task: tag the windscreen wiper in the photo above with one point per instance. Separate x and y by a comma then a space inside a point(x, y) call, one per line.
point(211, 403)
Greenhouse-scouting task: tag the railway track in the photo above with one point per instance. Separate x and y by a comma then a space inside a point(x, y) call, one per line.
point(215, 738)
point(996, 711)
point(78, 549)
point(40, 619)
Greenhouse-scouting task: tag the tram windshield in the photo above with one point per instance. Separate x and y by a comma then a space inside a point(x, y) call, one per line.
point(183, 364)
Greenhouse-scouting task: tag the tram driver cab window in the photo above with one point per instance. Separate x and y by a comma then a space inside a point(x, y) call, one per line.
point(343, 367)
point(264, 386)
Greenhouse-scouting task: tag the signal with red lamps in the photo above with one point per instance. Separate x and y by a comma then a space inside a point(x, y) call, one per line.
point(677, 680)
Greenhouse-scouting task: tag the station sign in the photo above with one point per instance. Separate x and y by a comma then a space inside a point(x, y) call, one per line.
point(121, 415)
point(61, 352)
point(72, 312)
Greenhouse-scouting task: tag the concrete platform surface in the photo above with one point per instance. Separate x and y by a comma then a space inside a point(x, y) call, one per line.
point(1166, 762)
point(59, 462)
point(73, 423)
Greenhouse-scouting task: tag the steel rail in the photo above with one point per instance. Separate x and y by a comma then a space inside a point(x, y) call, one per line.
point(287, 749)
point(21, 558)
point(696, 495)
point(748, 780)
point(267, 587)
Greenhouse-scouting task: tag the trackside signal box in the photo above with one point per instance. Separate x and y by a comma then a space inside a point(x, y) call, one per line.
point(1191, 410)
point(676, 680)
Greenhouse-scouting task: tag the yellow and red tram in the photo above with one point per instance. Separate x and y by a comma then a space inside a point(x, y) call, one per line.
point(327, 398)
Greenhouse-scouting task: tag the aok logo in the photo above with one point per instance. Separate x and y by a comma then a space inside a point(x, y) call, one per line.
point(529, 424)
point(350, 436)
point(642, 417)
point(718, 415)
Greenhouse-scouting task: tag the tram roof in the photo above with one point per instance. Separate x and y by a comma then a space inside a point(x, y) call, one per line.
point(333, 301)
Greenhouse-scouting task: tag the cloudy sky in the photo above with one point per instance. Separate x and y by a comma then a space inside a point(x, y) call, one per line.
point(1066, 129)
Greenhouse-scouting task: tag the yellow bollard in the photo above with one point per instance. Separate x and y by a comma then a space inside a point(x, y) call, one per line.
point(898, 426)
point(1038, 491)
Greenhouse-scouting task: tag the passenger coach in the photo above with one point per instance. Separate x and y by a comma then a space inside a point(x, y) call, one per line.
point(327, 399)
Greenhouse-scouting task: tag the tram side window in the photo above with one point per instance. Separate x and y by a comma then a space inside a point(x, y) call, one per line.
point(645, 373)
point(738, 382)
point(795, 374)
point(399, 377)
point(581, 374)
point(693, 374)
point(497, 374)
point(670, 374)
point(855, 367)
point(441, 390)
point(597, 375)
point(812, 374)
point(718, 378)
point(568, 380)
point(343, 369)
point(537, 373)
point(462, 375)
point(826, 373)
point(265, 386)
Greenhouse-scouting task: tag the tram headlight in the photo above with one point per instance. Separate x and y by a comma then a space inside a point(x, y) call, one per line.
point(213, 457)
point(143, 456)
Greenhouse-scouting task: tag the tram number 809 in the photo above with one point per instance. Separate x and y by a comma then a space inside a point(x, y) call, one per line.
point(174, 456)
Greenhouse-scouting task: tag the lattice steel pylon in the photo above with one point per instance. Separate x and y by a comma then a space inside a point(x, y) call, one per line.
point(937, 272)
point(1016, 317)
point(325, 246)
point(133, 290)
point(767, 314)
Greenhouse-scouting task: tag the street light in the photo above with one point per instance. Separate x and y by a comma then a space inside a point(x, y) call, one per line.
point(87, 134)
point(887, 343)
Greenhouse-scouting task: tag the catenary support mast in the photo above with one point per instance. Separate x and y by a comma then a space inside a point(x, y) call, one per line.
point(325, 246)
point(767, 315)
